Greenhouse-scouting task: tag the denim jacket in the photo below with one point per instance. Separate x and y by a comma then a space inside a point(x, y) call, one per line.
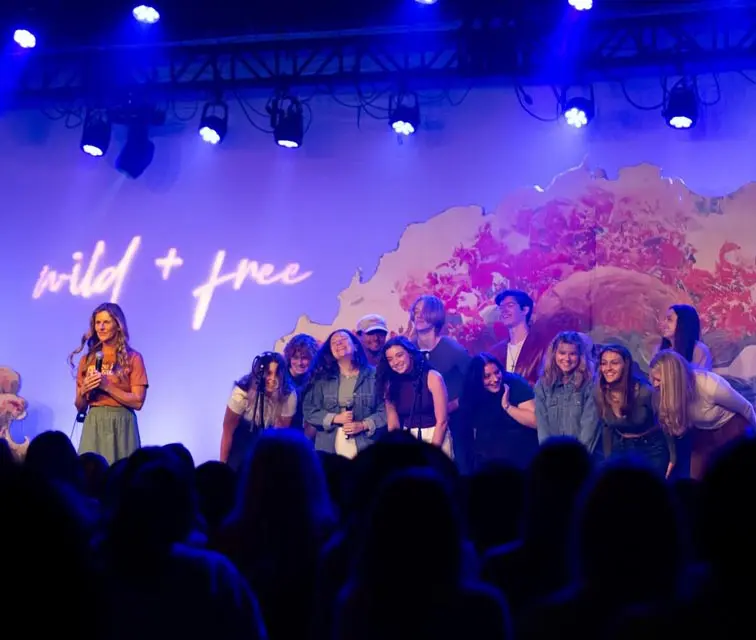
point(563, 410)
point(321, 404)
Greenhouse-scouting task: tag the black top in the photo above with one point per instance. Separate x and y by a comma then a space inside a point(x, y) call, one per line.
point(300, 385)
point(414, 402)
point(640, 418)
point(498, 436)
point(451, 360)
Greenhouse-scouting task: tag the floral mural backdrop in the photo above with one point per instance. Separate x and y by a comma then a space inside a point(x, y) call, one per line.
point(604, 256)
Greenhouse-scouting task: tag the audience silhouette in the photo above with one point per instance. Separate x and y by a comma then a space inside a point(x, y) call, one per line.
point(392, 544)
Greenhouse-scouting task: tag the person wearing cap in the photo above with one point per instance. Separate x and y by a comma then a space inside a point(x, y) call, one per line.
point(372, 331)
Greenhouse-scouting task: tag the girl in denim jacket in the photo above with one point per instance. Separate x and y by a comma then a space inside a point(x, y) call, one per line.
point(564, 394)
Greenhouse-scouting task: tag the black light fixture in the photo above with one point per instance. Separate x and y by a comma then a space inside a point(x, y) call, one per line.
point(404, 113)
point(681, 105)
point(286, 120)
point(138, 152)
point(214, 122)
point(95, 135)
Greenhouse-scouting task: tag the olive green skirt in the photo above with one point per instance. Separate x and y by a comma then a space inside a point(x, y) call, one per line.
point(110, 431)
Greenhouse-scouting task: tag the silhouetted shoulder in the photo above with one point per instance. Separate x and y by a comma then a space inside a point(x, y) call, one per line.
point(485, 611)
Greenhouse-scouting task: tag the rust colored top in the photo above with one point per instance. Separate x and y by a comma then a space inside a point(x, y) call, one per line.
point(137, 376)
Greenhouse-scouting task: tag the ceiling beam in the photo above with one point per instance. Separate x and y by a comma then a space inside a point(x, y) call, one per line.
point(475, 50)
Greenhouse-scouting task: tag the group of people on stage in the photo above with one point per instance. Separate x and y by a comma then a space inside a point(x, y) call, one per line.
point(492, 406)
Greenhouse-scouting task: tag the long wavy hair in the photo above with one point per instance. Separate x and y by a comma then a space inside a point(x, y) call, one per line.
point(93, 344)
point(255, 379)
point(584, 371)
point(674, 393)
point(256, 376)
point(385, 389)
point(474, 393)
point(687, 331)
point(325, 365)
point(627, 386)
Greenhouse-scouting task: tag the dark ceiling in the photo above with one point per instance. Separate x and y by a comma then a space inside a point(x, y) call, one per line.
point(108, 22)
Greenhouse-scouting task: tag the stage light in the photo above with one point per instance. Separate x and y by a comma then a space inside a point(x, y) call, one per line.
point(146, 14)
point(578, 112)
point(214, 122)
point(138, 152)
point(426, 1)
point(681, 105)
point(24, 38)
point(581, 5)
point(95, 137)
point(287, 121)
point(404, 118)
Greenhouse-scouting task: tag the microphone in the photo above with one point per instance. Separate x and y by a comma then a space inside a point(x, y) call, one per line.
point(82, 415)
point(349, 407)
point(98, 368)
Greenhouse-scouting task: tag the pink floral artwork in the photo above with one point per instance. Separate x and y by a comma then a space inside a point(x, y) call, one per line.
point(602, 256)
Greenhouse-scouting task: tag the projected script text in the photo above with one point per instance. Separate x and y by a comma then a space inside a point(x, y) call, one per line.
point(97, 277)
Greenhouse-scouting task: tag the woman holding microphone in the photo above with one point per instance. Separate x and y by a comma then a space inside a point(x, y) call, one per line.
point(111, 385)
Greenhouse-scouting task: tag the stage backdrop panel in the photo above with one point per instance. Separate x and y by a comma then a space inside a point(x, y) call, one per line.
point(219, 253)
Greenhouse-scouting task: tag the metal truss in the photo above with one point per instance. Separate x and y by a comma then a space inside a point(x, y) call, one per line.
point(523, 52)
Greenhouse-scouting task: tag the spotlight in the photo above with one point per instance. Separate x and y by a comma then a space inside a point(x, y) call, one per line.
point(404, 118)
point(287, 121)
point(681, 105)
point(214, 122)
point(581, 5)
point(138, 152)
point(145, 14)
point(24, 38)
point(426, 1)
point(95, 137)
point(578, 112)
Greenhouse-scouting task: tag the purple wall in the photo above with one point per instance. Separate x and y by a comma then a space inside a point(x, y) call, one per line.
point(334, 207)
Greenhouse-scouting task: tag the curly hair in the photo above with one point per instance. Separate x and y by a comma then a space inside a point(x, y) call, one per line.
point(93, 344)
point(385, 375)
point(325, 366)
point(301, 343)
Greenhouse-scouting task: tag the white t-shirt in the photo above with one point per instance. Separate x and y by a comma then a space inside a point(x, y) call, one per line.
point(242, 403)
point(716, 402)
point(513, 353)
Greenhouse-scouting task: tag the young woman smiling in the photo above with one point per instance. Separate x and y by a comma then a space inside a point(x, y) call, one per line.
point(415, 395)
point(626, 410)
point(498, 407)
point(564, 394)
point(111, 386)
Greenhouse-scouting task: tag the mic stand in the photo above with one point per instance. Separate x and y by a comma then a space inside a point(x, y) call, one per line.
point(259, 408)
point(417, 384)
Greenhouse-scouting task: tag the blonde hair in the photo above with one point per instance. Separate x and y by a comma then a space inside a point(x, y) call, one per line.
point(89, 339)
point(584, 370)
point(675, 391)
point(433, 311)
